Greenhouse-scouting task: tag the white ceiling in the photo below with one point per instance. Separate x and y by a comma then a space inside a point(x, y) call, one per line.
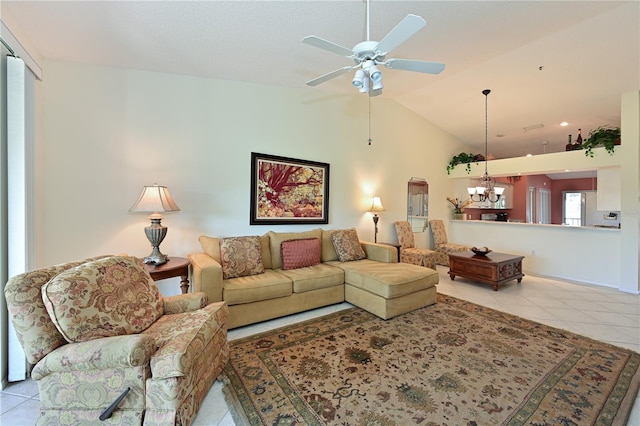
point(545, 61)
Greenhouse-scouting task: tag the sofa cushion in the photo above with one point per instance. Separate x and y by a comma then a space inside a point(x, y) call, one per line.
point(106, 297)
point(347, 245)
point(300, 253)
point(314, 277)
point(241, 256)
point(269, 285)
point(276, 238)
point(388, 280)
point(328, 250)
point(211, 246)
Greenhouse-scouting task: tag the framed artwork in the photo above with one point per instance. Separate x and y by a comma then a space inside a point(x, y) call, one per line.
point(288, 191)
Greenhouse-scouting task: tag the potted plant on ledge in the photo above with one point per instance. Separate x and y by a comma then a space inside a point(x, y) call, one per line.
point(462, 158)
point(606, 136)
point(458, 207)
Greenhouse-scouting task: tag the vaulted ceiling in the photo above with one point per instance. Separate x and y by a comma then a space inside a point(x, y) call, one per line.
point(545, 61)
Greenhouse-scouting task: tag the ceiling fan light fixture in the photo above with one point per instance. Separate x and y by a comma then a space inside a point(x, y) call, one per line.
point(374, 73)
point(358, 79)
point(369, 53)
point(365, 85)
point(377, 85)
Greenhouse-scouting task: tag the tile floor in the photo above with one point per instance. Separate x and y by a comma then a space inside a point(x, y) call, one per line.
point(600, 313)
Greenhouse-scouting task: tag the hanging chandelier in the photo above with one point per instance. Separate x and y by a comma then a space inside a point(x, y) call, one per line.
point(486, 189)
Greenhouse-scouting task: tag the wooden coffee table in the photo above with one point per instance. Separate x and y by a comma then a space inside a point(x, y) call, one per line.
point(493, 269)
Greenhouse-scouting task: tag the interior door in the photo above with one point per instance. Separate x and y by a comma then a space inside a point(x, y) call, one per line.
point(544, 206)
point(531, 205)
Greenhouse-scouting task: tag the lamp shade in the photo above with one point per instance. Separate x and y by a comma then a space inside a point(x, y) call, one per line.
point(155, 199)
point(376, 205)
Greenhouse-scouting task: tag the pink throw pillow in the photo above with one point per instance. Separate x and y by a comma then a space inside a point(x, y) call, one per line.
point(300, 253)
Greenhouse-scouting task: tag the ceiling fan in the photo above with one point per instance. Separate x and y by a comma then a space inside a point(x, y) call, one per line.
point(369, 54)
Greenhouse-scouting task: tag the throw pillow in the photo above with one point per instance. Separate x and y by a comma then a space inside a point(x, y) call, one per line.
point(211, 246)
point(106, 297)
point(241, 256)
point(300, 253)
point(347, 245)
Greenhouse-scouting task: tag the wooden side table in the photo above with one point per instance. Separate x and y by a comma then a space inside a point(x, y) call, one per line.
point(175, 267)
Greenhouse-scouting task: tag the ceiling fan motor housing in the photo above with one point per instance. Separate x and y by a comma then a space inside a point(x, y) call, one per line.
point(366, 50)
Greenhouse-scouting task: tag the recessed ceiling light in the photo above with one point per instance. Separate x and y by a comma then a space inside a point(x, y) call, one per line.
point(564, 124)
point(529, 155)
point(534, 126)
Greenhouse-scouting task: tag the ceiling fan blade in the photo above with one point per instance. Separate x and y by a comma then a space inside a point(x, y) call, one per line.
point(327, 45)
point(417, 66)
point(410, 25)
point(329, 76)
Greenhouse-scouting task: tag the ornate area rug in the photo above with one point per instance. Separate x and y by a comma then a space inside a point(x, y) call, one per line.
point(452, 363)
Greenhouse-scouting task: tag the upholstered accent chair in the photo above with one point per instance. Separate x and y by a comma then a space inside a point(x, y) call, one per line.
point(99, 329)
point(409, 253)
point(442, 246)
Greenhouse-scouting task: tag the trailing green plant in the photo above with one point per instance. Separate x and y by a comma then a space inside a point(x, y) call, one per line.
point(462, 158)
point(606, 136)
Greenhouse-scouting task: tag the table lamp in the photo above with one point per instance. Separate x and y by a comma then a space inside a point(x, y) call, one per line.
point(155, 199)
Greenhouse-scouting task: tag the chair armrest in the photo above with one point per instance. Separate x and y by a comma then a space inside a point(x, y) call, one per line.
point(206, 275)
point(380, 252)
point(184, 303)
point(98, 354)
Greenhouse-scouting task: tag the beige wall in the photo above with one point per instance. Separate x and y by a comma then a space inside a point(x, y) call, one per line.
point(106, 132)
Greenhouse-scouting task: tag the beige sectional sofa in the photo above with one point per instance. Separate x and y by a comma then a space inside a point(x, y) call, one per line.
point(376, 283)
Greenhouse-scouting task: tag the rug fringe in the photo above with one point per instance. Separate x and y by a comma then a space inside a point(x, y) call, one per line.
point(626, 406)
point(231, 398)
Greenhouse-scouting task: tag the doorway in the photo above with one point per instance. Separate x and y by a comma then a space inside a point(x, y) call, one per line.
point(544, 205)
point(573, 212)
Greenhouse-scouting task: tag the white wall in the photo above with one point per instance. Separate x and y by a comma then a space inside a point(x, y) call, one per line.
point(107, 132)
point(585, 255)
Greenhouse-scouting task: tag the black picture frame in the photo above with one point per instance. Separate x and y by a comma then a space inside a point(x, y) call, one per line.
point(288, 191)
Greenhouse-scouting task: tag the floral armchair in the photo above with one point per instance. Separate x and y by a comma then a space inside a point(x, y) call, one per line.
point(442, 245)
point(409, 253)
point(98, 333)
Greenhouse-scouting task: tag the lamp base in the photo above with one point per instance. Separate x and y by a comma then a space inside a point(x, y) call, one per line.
point(375, 225)
point(155, 234)
point(156, 257)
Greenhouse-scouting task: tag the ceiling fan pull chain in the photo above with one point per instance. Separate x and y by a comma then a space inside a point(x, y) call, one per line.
point(369, 121)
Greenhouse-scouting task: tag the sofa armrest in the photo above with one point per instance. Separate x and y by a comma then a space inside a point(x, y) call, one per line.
point(206, 275)
point(380, 252)
point(184, 303)
point(98, 354)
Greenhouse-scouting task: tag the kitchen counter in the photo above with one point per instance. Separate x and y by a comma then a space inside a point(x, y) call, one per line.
point(495, 222)
point(576, 253)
